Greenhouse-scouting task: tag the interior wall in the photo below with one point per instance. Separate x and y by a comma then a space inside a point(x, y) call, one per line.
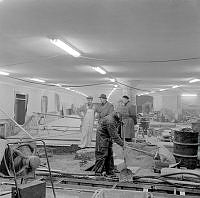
point(157, 102)
point(7, 100)
point(170, 102)
point(7, 94)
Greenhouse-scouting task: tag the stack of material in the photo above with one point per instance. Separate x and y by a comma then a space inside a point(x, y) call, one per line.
point(110, 193)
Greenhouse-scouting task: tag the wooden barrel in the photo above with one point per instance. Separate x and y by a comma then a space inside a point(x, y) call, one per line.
point(196, 128)
point(186, 148)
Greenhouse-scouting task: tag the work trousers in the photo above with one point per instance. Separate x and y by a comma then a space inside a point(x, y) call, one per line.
point(104, 159)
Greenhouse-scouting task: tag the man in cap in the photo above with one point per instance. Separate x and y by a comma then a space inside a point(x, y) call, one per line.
point(86, 112)
point(104, 108)
point(129, 119)
point(107, 132)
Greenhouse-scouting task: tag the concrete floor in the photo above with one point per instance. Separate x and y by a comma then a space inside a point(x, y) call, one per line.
point(62, 136)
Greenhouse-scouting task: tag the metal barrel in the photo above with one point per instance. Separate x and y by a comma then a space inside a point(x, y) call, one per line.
point(196, 128)
point(186, 148)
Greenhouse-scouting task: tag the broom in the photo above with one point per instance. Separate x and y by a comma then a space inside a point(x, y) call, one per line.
point(126, 174)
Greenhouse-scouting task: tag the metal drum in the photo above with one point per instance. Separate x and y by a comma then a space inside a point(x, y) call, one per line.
point(196, 128)
point(186, 147)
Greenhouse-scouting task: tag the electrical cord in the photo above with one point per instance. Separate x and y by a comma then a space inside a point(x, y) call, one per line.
point(76, 86)
point(131, 87)
point(31, 61)
point(140, 61)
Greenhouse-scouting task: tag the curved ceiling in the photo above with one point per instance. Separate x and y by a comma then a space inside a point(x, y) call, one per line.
point(125, 37)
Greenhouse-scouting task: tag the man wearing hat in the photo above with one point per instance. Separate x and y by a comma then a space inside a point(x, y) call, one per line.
point(129, 119)
point(104, 108)
point(86, 112)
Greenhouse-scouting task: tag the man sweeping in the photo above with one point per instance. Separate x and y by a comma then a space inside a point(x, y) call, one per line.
point(107, 132)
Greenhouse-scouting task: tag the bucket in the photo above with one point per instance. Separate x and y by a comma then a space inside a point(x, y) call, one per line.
point(196, 128)
point(186, 148)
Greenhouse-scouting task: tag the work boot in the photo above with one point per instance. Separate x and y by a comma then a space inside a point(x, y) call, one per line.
point(111, 174)
point(98, 174)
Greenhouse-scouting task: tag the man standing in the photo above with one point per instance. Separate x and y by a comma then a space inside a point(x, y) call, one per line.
point(86, 112)
point(107, 132)
point(129, 119)
point(105, 108)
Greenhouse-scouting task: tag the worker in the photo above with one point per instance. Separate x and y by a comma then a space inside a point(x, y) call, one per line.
point(107, 132)
point(104, 108)
point(129, 119)
point(120, 108)
point(86, 112)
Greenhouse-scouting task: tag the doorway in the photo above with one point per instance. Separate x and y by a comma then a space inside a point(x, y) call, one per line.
point(20, 108)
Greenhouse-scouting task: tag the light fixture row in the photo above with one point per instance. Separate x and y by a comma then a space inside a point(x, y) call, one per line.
point(174, 87)
point(109, 95)
point(70, 50)
point(66, 47)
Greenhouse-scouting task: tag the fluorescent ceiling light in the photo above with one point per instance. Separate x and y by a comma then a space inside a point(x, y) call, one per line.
point(38, 80)
point(98, 69)
point(111, 92)
point(78, 92)
point(194, 80)
point(4, 73)
point(176, 86)
point(65, 47)
point(112, 79)
point(189, 95)
point(146, 93)
point(58, 85)
point(162, 89)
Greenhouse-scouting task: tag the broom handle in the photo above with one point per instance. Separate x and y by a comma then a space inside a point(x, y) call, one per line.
point(141, 151)
point(123, 132)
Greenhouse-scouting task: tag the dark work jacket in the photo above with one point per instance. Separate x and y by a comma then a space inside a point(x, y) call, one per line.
point(107, 132)
point(129, 120)
point(104, 109)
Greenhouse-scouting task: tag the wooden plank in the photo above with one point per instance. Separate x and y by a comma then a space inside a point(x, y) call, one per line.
point(137, 186)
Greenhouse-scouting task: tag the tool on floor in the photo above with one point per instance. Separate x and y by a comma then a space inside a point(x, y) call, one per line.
point(126, 174)
point(140, 151)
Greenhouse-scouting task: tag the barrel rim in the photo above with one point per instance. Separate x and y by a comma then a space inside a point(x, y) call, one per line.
point(187, 156)
point(186, 144)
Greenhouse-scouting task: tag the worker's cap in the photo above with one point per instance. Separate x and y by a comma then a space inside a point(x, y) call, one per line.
point(90, 97)
point(103, 96)
point(125, 97)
